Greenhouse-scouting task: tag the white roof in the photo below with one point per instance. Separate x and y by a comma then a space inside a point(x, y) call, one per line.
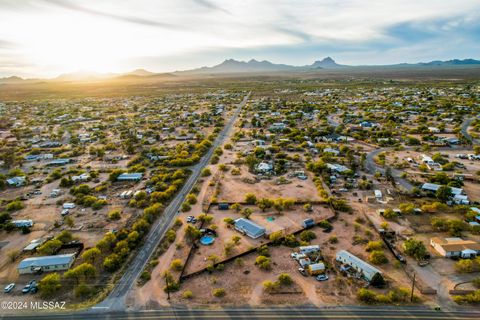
point(435, 187)
point(357, 261)
point(317, 266)
point(46, 261)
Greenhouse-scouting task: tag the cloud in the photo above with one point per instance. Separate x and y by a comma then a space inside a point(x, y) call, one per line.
point(131, 19)
point(210, 5)
point(108, 35)
point(5, 44)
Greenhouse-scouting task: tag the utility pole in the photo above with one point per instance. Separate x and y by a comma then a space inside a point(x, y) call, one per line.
point(413, 287)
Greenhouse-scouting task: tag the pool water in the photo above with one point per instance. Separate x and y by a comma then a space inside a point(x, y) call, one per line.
point(207, 240)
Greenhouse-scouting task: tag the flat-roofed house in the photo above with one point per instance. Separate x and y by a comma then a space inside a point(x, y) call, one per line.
point(249, 228)
point(366, 270)
point(46, 263)
point(130, 177)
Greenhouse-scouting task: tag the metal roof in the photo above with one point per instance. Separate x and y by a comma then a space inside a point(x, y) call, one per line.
point(367, 269)
point(249, 227)
point(46, 261)
point(130, 176)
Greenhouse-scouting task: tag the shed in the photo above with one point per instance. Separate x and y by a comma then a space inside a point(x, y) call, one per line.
point(223, 206)
point(316, 268)
point(308, 223)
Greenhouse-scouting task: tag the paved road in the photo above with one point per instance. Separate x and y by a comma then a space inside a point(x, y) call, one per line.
point(116, 299)
point(372, 167)
point(464, 131)
point(331, 121)
point(306, 312)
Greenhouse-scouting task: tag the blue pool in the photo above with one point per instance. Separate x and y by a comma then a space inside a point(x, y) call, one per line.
point(207, 240)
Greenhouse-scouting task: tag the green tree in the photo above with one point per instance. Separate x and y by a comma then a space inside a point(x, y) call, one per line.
point(112, 262)
point(50, 247)
point(250, 198)
point(49, 285)
point(114, 215)
point(84, 271)
point(284, 279)
point(377, 257)
point(264, 204)
point(263, 262)
point(415, 248)
point(444, 193)
point(91, 255)
point(65, 236)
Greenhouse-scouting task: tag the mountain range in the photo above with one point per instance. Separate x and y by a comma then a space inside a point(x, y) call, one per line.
point(231, 66)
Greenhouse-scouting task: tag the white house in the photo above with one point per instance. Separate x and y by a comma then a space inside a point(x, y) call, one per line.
point(264, 167)
point(46, 263)
point(366, 270)
point(455, 247)
point(309, 249)
point(23, 223)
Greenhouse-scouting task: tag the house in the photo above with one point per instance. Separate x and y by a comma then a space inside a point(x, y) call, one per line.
point(366, 270)
point(82, 177)
point(46, 263)
point(249, 228)
point(460, 199)
point(455, 247)
point(332, 151)
point(137, 176)
point(279, 126)
point(426, 159)
point(367, 124)
point(433, 187)
point(22, 223)
point(452, 140)
point(316, 268)
point(17, 181)
point(69, 205)
point(59, 162)
point(32, 157)
point(337, 167)
point(309, 249)
point(264, 167)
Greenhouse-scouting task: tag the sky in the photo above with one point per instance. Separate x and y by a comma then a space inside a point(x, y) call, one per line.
point(45, 38)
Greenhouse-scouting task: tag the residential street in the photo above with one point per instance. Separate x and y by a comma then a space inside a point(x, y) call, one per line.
point(116, 299)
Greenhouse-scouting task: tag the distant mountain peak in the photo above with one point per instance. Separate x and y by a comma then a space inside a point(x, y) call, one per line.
point(140, 72)
point(327, 62)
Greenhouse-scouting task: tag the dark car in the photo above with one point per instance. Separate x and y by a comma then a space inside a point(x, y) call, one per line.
point(29, 286)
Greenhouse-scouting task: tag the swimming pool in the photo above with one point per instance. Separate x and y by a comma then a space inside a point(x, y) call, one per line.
point(207, 240)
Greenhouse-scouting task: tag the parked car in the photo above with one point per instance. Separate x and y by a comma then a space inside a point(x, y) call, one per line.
point(294, 255)
point(302, 271)
point(322, 277)
point(9, 288)
point(191, 219)
point(29, 286)
point(34, 289)
point(65, 212)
